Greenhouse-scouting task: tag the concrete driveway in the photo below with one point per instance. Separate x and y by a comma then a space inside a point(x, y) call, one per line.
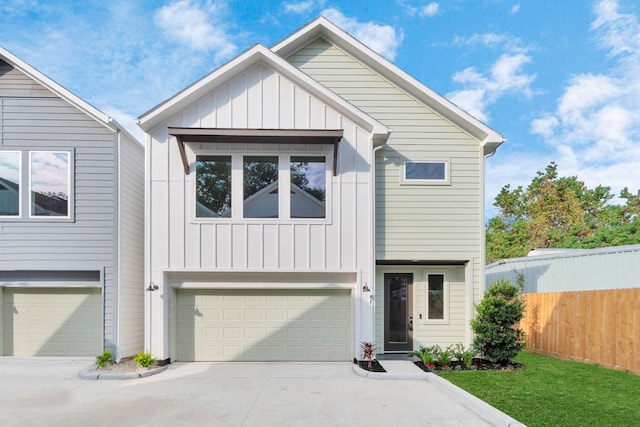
point(36, 392)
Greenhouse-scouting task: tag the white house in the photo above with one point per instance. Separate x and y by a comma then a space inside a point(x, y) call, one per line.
point(71, 222)
point(306, 198)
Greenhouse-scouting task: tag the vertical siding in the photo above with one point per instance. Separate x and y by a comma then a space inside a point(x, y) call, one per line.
point(131, 248)
point(259, 97)
point(412, 222)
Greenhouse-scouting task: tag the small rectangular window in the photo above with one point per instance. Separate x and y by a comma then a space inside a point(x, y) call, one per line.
point(213, 186)
point(426, 172)
point(260, 192)
point(308, 187)
point(435, 297)
point(10, 172)
point(50, 175)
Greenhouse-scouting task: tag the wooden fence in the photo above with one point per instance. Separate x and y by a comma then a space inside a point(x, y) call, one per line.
point(600, 327)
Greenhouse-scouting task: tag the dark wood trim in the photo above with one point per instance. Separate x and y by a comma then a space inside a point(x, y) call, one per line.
point(420, 262)
point(256, 136)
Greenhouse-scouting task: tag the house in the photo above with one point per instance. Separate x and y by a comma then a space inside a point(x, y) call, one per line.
point(392, 251)
point(71, 222)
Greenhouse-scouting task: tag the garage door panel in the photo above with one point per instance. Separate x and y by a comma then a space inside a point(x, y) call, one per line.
point(52, 321)
point(264, 325)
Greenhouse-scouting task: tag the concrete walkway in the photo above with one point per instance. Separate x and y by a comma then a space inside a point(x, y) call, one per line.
point(42, 391)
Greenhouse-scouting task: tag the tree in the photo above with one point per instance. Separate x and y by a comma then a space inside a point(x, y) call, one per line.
point(555, 212)
point(496, 337)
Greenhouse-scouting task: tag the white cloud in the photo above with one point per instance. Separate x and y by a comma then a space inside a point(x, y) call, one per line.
point(301, 7)
point(430, 10)
point(380, 38)
point(199, 27)
point(505, 77)
point(515, 8)
point(595, 128)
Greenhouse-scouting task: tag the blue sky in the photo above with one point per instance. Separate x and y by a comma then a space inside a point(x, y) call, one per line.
point(559, 79)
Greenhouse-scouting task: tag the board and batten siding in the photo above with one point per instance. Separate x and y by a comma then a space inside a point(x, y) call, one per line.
point(428, 222)
point(259, 98)
point(131, 248)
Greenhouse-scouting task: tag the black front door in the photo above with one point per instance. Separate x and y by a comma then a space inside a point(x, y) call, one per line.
point(398, 311)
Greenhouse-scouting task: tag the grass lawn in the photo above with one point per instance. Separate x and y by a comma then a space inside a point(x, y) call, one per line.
point(552, 392)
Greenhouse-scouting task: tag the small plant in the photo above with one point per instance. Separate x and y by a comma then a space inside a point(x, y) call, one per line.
point(426, 354)
point(144, 359)
point(443, 356)
point(464, 355)
point(104, 359)
point(368, 351)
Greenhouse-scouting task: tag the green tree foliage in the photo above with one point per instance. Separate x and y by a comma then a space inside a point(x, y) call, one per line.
point(496, 337)
point(560, 212)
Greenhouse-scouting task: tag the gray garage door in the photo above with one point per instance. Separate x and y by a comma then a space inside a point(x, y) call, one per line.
point(263, 325)
point(51, 321)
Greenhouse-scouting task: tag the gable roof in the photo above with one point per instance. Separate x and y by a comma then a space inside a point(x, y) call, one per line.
point(323, 28)
point(65, 94)
point(250, 57)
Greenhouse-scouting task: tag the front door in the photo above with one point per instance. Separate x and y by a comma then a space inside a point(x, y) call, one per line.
point(398, 311)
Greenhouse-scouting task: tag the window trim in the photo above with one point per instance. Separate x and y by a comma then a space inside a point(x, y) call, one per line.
point(70, 203)
point(445, 181)
point(284, 181)
point(445, 304)
point(20, 187)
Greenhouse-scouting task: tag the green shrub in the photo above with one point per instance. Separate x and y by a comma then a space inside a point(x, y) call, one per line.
point(464, 355)
point(496, 337)
point(144, 359)
point(443, 356)
point(104, 359)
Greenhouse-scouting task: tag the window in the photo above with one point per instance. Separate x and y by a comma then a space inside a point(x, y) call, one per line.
point(260, 189)
point(426, 172)
point(308, 187)
point(253, 182)
point(10, 172)
point(213, 186)
point(49, 183)
point(436, 297)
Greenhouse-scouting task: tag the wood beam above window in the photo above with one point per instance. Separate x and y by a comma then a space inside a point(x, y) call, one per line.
point(259, 136)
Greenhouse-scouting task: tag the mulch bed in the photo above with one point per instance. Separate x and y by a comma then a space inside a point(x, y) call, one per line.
point(375, 366)
point(480, 365)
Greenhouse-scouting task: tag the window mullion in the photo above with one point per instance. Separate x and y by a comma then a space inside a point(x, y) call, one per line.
point(237, 192)
point(284, 176)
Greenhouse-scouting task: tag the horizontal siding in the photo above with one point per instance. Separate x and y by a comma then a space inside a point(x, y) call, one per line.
point(33, 123)
point(131, 248)
point(446, 219)
point(15, 83)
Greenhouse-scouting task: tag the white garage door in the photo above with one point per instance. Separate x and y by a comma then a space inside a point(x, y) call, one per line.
point(52, 321)
point(263, 325)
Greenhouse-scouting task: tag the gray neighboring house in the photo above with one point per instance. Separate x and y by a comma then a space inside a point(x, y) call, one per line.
point(570, 270)
point(71, 222)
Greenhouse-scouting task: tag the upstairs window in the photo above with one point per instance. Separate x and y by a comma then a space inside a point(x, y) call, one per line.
point(254, 182)
point(308, 187)
point(49, 182)
point(260, 189)
point(10, 172)
point(436, 172)
point(213, 186)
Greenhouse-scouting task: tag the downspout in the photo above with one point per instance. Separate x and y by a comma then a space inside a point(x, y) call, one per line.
point(373, 274)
